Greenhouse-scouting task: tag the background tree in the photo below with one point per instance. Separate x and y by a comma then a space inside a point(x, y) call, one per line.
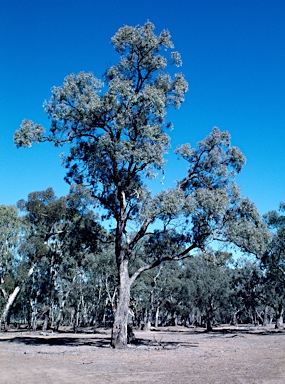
point(155, 299)
point(60, 233)
point(248, 299)
point(274, 263)
point(207, 283)
point(94, 300)
point(117, 140)
point(14, 270)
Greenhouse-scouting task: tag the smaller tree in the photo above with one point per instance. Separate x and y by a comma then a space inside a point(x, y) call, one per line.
point(248, 292)
point(274, 263)
point(155, 297)
point(15, 267)
point(207, 280)
point(60, 232)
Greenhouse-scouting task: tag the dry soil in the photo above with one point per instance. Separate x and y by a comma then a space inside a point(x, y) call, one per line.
point(164, 355)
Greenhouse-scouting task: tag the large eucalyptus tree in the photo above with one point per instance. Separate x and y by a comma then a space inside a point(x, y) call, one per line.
point(116, 136)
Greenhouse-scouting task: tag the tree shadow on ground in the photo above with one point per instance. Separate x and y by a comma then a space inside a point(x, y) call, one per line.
point(59, 341)
point(160, 344)
point(102, 339)
point(242, 331)
point(93, 342)
point(221, 331)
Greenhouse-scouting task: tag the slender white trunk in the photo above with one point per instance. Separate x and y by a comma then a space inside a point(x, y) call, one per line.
point(157, 316)
point(33, 304)
point(6, 310)
point(62, 305)
point(11, 299)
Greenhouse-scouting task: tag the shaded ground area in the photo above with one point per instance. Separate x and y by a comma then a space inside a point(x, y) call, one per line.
point(166, 355)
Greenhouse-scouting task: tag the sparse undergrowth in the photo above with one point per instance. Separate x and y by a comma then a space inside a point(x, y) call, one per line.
point(242, 354)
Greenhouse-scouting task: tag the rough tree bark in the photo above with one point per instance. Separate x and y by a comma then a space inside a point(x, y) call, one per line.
point(120, 332)
point(234, 318)
point(265, 316)
point(210, 316)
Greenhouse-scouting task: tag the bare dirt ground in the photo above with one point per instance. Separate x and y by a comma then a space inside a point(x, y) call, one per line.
point(165, 355)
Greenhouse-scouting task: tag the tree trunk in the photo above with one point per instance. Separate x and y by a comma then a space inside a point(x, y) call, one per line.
point(210, 319)
point(62, 305)
point(210, 315)
point(10, 301)
point(75, 321)
point(279, 316)
point(34, 317)
point(265, 316)
point(156, 316)
point(5, 313)
point(119, 332)
point(174, 318)
point(234, 318)
point(209, 325)
point(146, 321)
point(259, 318)
point(46, 322)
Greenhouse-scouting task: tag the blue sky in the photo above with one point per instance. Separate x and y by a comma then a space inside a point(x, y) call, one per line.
point(233, 58)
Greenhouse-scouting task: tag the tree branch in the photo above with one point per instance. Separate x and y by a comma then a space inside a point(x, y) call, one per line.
point(180, 256)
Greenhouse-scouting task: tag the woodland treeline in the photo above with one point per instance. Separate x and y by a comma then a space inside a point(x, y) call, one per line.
point(58, 269)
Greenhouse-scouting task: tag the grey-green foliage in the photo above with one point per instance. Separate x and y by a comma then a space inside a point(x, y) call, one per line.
point(248, 289)
point(214, 205)
point(117, 128)
point(158, 294)
point(117, 134)
point(10, 229)
point(28, 134)
point(9, 232)
point(274, 258)
point(15, 266)
point(206, 207)
point(206, 285)
point(61, 235)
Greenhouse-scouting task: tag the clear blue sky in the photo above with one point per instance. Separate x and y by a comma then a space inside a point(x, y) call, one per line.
point(233, 58)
